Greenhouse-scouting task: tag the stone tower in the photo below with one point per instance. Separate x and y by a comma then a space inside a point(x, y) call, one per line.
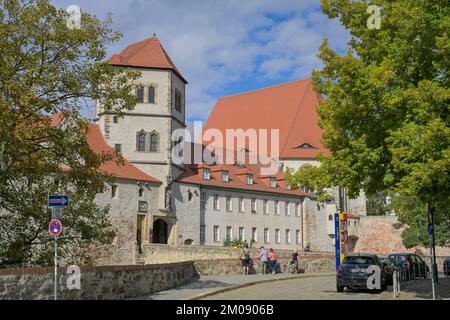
point(143, 135)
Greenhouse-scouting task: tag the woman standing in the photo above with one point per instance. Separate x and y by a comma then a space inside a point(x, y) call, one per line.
point(273, 261)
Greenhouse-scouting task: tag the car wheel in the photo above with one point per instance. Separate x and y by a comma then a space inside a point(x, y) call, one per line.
point(339, 288)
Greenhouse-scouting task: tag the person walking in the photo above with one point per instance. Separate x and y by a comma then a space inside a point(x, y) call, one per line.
point(245, 258)
point(273, 261)
point(263, 258)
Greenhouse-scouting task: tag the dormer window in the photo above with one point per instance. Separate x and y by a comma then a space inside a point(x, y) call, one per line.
point(306, 146)
point(206, 174)
point(273, 182)
point(249, 179)
point(225, 176)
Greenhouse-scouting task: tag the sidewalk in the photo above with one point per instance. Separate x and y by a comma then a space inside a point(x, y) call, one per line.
point(208, 285)
point(421, 290)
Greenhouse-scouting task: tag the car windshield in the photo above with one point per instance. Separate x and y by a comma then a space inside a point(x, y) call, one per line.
point(358, 260)
point(398, 258)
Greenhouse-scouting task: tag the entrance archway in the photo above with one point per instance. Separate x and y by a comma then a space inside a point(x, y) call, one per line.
point(160, 231)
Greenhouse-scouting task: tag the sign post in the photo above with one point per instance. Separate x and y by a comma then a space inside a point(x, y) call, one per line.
point(56, 202)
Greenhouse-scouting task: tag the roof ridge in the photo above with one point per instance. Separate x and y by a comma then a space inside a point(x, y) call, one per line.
point(264, 88)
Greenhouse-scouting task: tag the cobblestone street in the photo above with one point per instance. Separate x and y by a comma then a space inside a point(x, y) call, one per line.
point(324, 288)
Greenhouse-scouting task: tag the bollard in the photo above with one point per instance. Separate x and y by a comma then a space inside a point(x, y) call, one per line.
point(394, 284)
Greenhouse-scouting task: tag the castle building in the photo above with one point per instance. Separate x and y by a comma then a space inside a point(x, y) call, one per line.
point(156, 200)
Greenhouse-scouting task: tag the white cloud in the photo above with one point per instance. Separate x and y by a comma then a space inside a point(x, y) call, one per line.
point(217, 43)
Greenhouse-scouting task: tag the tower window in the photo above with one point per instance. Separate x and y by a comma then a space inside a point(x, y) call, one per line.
point(140, 141)
point(151, 94)
point(114, 189)
point(115, 119)
point(141, 192)
point(118, 147)
point(154, 142)
point(178, 100)
point(140, 94)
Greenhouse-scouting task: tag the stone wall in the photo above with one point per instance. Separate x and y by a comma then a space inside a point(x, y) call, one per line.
point(311, 263)
point(108, 282)
point(383, 235)
point(158, 253)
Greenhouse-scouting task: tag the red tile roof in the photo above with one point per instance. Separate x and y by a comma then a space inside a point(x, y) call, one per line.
point(289, 107)
point(148, 53)
point(237, 178)
point(97, 143)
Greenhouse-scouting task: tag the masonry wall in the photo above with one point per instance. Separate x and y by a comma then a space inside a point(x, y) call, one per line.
point(316, 227)
point(123, 214)
point(383, 235)
point(96, 282)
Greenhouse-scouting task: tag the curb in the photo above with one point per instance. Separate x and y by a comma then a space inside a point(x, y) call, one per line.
point(248, 284)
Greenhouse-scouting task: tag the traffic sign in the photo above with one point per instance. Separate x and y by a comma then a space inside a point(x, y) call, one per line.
point(55, 227)
point(57, 212)
point(430, 228)
point(58, 200)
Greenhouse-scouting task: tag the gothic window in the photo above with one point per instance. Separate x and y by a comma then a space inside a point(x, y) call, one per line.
point(140, 141)
point(151, 94)
point(140, 94)
point(154, 142)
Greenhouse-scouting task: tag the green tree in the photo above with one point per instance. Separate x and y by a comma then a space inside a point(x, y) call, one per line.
point(385, 106)
point(47, 68)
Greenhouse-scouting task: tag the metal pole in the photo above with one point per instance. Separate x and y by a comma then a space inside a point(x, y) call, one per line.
point(432, 209)
point(431, 256)
point(56, 268)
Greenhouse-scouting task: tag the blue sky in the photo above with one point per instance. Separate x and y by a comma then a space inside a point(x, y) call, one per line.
point(223, 47)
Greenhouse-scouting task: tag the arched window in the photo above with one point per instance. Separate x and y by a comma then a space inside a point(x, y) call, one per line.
point(151, 94)
point(140, 141)
point(154, 142)
point(141, 192)
point(140, 94)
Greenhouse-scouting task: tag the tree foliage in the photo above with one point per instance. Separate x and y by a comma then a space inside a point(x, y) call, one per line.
point(385, 107)
point(47, 69)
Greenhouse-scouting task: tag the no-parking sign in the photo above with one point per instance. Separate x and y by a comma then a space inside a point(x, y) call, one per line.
point(55, 227)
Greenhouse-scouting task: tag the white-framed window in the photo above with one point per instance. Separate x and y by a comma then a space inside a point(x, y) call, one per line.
point(266, 206)
point(216, 234)
point(266, 235)
point(249, 179)
point(297, 209)
point(277, 236)
point(277, 207)
point(114, 191)
point(229, 234)
point(206, 174)
point(288, 236)
point(288, 208)
point(225, 176)
point(273, 182)
point(253, 205)
point(297, 236)
point(254, 235)
point(202, 233)
point(216, 204)
point(241, 204)
point(241, 234)
point(229, 204)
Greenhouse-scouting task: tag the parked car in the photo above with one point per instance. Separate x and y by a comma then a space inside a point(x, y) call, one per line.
point(447, 266)
point(389, 267)
point(414, 266)
point(352, 272)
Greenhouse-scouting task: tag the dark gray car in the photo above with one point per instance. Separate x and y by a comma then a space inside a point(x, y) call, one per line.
point(352, 273)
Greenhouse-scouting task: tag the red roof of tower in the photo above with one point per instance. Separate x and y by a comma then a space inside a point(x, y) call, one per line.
point(148, 53)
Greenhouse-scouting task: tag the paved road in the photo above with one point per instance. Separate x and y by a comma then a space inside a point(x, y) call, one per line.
point(325, 288)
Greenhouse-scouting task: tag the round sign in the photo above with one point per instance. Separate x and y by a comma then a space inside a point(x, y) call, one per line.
point(55, 227)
